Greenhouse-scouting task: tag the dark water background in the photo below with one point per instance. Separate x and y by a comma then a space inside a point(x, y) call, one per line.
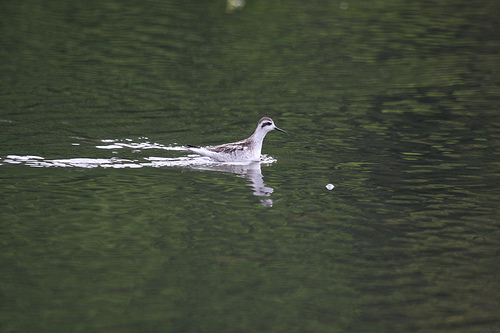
point(108, 226)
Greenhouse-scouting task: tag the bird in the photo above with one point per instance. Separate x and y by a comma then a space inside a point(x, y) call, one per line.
point(247, 150)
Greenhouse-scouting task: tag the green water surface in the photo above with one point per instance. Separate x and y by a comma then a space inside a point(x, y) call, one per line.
point(394, 103)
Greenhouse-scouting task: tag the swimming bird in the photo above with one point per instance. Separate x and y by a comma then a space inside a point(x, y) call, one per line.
point(241, 151)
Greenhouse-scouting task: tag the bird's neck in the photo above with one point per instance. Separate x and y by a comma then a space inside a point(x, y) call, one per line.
point(257, 137)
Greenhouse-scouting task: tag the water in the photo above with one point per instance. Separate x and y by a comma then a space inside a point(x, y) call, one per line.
point(108, 224)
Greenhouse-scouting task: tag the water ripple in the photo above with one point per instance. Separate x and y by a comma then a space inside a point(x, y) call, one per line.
point(191, 160)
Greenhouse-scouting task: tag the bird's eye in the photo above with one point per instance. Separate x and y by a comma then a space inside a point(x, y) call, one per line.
point(266, 124)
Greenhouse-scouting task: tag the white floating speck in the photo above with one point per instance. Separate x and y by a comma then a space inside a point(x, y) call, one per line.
point(329, 187)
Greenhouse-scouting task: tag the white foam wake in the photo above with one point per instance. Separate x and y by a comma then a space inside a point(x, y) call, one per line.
point(191, 160)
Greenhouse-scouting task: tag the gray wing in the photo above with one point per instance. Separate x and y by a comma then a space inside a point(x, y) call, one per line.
point(228, 147)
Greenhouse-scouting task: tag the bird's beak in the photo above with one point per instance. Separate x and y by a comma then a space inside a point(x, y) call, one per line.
point(279, 129)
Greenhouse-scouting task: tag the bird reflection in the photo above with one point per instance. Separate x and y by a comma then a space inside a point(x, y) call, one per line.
point(250, 171)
